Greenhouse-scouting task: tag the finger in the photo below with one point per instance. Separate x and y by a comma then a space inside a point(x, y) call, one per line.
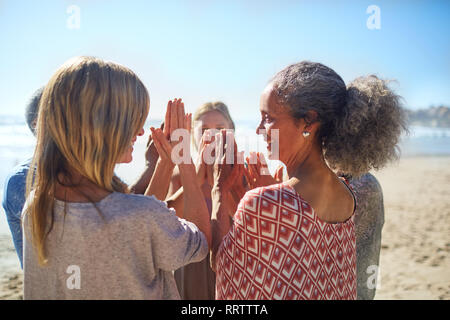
point(253, 169)
point(230, 148)
point(157, 144)
point(167, 119)
point(253, 158)
point(235, 149)
point(240, 157)
point(163, 143)
point(249, 177)
point(181, 115)
point(225, 154)
point(202, 141)
point(218, 148)
point(188, 122)
point(263, 168)
point(150, 138)
point(173, 117)
point(279, 174)
point(201, 165)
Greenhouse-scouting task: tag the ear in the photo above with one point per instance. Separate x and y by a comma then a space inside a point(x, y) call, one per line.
point(311, 121)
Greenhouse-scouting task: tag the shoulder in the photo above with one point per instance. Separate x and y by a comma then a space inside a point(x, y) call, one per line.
point(275, 194)
point(366, 186)
point(14, 187)
point(137, 205)
point(17, 176)
point(370, 209)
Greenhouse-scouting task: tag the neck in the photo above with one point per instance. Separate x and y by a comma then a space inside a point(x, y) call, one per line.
point(77, 188)
point(307, 164)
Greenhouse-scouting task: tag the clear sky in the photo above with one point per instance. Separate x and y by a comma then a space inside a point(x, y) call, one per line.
point(202, 50)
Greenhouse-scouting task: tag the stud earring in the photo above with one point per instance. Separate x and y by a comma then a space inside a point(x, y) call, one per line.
point(306, 134)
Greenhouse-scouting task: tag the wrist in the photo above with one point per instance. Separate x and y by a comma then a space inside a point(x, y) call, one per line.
point(187, 167)
point(166, 165)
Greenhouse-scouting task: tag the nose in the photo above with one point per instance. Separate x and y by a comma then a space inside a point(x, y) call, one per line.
point(260, 127)
point(141, 132)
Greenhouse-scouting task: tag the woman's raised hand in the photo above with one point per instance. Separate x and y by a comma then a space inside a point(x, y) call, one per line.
point(257, 172)
point(227, 168)
point(175, 119)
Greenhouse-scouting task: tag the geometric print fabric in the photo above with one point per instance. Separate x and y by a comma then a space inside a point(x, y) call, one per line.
point(278, 249)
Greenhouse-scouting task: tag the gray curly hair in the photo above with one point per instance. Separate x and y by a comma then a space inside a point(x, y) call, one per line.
point(360, 124)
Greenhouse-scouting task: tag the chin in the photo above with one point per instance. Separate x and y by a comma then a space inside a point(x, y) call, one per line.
point(126, 159)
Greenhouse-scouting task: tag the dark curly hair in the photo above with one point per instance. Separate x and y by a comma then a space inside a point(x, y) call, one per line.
point(360, 124)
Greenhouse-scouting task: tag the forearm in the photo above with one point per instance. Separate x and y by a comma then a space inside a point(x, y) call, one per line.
point(220, 219)
point(159, 183)
point(143, 181)
point(176, 201)
point(194, 204)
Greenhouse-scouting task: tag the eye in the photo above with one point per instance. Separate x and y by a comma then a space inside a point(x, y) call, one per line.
point(267, 118)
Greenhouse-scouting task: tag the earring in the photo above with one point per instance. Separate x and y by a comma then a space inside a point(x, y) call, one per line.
point(306, 134)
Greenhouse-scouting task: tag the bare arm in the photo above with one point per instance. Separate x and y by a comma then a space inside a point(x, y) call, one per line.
point(159, 183)
point(225, 176)
point(175, 182)
point(191, 198)
point(176, 201)
point(194, 205)
point(151, 158)
point(220, 222)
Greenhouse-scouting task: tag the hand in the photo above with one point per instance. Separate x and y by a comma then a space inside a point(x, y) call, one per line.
point(162, 146)
point(151, 153)
point(257, 172)
point(225, 171)
point(240, 187)
point(205, 169)
point(176, 119)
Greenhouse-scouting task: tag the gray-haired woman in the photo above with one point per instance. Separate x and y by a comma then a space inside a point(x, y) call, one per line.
point(296, 239)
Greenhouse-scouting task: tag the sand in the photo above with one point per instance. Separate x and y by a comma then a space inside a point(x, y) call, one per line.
point(415, 259)
point(11, 276)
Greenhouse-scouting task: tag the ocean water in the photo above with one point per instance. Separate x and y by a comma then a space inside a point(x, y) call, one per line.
point(17, 145)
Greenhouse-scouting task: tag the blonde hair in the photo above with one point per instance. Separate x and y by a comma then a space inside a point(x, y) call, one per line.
point(212, 106)
point(89, 112)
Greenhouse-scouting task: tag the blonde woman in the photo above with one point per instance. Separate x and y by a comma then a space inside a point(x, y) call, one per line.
point(85, 236)
point(196, 281)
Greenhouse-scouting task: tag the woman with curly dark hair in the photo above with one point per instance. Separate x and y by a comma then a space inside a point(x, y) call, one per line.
point(296, 239)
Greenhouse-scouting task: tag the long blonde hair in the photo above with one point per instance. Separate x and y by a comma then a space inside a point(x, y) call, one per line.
point(89, 112)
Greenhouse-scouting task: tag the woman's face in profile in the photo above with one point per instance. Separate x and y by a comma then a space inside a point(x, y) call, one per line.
point(209, 120)
point(127, 156)
point(280, 130)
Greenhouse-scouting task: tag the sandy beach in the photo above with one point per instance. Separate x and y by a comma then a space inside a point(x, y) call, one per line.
point(415, 254)
point(415, 259)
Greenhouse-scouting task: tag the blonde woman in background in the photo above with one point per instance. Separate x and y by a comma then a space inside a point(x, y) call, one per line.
point(85, 236)
point(196, 281)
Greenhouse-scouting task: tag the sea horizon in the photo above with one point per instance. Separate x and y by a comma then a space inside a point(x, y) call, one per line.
point(17, 145)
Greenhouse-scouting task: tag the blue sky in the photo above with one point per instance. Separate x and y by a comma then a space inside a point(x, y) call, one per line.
point(203, 50)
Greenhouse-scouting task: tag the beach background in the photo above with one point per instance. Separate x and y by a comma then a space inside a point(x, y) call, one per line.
point(415, 254)
point(204, 50)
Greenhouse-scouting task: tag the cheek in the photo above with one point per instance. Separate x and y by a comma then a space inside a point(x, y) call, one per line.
point(127, 156)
